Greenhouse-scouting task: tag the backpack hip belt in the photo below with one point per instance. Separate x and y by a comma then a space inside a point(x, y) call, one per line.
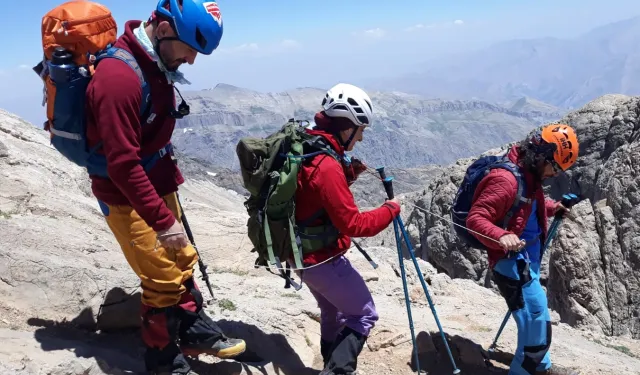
point(316, 237)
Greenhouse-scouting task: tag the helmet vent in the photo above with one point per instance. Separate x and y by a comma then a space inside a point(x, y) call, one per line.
point(200, 39)
point(364, 119)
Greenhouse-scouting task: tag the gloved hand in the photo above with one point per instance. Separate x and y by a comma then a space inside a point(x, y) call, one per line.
point(353, 170)
point(358, 167)
point(566, 212)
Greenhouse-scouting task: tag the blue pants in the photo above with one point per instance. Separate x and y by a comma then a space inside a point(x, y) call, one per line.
point(519, 284)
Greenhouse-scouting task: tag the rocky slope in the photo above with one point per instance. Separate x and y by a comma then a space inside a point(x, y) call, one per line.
point(593, 266)
point(69, 302)
point(409, 131)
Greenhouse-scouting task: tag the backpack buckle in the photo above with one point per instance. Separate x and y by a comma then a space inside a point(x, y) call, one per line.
point(162, 152)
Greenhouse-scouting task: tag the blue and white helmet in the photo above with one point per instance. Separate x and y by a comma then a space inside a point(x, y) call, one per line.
point(198, 24)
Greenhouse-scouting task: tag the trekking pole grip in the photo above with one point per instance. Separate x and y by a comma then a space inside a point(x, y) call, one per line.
point(568, 200)
point(387, 182)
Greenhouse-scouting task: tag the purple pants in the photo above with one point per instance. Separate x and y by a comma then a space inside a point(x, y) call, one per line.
point(342, 296)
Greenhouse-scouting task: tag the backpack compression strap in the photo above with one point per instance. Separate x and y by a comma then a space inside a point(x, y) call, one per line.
point(297, 244)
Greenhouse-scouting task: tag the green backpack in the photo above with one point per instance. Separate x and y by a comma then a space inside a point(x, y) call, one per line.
point(269, 168)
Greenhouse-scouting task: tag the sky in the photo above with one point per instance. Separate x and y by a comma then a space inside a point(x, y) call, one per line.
point(273, 46)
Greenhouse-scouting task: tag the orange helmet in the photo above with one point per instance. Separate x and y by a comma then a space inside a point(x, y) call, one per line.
point(566, 142)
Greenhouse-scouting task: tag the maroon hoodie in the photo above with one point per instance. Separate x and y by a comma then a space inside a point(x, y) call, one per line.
point(113, 103)
point(492, 200)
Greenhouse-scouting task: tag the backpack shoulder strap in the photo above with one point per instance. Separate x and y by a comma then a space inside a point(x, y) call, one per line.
point(521, 196)
point(126, 57)
point(318, 145)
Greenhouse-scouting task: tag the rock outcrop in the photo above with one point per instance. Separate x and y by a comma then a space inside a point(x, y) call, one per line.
point(592, 269)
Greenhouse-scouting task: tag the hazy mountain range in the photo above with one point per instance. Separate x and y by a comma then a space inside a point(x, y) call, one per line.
point(564, 72)
point(409, 131)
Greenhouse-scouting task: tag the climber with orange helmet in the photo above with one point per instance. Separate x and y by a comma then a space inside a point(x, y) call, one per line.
point(514, 250)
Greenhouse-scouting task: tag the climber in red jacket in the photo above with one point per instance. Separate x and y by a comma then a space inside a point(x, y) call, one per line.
point(323, 198)
point(514, 252)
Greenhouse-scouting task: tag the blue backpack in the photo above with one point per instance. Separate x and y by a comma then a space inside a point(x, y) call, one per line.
point(67, 126)
point(464, 197)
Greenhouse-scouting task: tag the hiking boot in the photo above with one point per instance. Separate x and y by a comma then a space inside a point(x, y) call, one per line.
point(343, 358)
point(159, 334)
point(199, 334)
point(558, 370)
point(325, 350)
point(224, 348)
point(166, 370)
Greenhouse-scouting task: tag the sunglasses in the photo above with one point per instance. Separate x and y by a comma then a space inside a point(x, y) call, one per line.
point(183, 108)
point(556, 167)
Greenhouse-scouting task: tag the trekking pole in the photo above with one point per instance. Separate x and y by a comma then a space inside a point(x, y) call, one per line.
point(364, 253)
point(201, 265)
point(568, 200)
point(399, 229)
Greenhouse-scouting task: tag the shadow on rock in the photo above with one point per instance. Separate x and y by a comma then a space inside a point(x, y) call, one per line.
point(469, 357)
point(263, 348)
point(112, 338)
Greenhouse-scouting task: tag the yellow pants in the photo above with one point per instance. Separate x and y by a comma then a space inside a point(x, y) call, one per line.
point(161, 272)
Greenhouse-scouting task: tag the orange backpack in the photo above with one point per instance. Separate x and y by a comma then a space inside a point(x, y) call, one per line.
point(76, 35)
point(82, 28)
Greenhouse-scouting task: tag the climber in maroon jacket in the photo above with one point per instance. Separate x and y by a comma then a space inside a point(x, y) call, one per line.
point(515, 252)
point(347, 310)
point(140, 203)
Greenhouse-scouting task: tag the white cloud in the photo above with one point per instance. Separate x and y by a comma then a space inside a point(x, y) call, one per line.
point(415, 27)
point(289, 43)
point(247, 47)
point(375, 33)
point(440, 25)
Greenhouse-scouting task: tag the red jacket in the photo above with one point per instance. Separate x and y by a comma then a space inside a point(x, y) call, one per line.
point(113, 103)
point(493, 198)
point(323, 184)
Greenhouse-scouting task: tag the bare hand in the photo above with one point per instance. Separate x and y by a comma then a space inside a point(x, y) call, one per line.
point(173, 238)
point(395, 200)
point(511, 242)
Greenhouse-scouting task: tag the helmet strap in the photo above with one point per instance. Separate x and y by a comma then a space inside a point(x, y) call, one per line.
point(156, 48)
point(353, 134)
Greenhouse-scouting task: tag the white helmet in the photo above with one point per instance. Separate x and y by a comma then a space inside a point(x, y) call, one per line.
point(345, 100)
